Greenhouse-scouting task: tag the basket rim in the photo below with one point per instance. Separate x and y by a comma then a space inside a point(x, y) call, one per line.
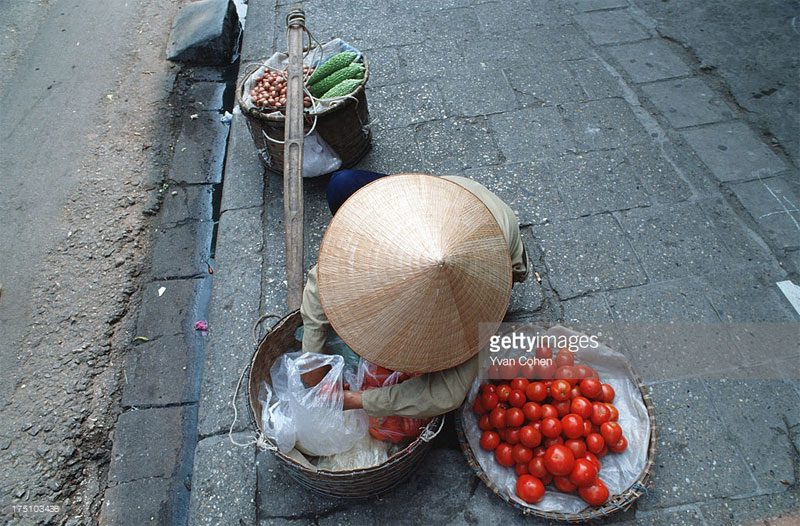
point(269, 117)
point(435, 425)
point(615, 504)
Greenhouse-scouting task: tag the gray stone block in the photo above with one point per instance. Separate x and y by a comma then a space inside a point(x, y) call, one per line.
point(660, 178)
point(649, 60)
point(233, 311)
point(175, 310)
point(205, 32)
point(404, 104)
point(449, 25)
point(182, 251)
point(687, 102)
point(563, 42)
point(775, 205)
point(587, 255)
point(531, 134)
point(186, 203)
point(200, 150)
point(680, 516)
point(530, 189)
point(279, 496)
point(610, 27)
point(543, 84)
point(149, 443)
point(385, 66)
point(596, 5)
point(456, 144)
point(733, 152)
point(527, 297)
point(244, 173)
point(485, 90)
point(432, 61)
point(260, 31)
point(223, 482)
point(781, 509)
point(518, 15)
point(594, 79)
point(598, 182)
point(205, 96)
point(603, 124)
point(393, 151)
point(590, 315)
point(675, 241)
point(163, 371)
point(150, 501)
point(695, 459)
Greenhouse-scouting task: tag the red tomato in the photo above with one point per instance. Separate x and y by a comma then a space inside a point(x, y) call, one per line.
point(509, 370)
point(490, 440)
point(544, 353)
point(578, 447)
point(611, 432)
point(511, 435)
point(548, 411)
point(490, 388)
point(595, 494)
point(519, 383)
point(587, 427)
point(581, 406)
point(522, 454)
point(551, 427)
point(574, 392)
point(619, 446)
point(546, 371)
point(537, 425)
point(559, 460)
point(591, 457)
point(564, 485)
point(608, 393)
point(536, 392)
point(484, 424)
point(498, 418)
point(532, 411)
point(489, 400)
point(517, 398)
point(600, 413)
point(536, 467)
point(477, 406)
point(529, 436)
point(583, 473)
point(562, 408)
point(553, 441)
point(530, 489)
point(560, 390)
point(521, 469)
point(591, 388)
point(514, 417)
point(539, 451)
point(528, 371)
point(583, 371)
point(547, 479)
point(502, 391)
point(567, 372)
point(572, 426)
point(603, 452)
point(595, 443)
point(503, 455)
point(565, 357)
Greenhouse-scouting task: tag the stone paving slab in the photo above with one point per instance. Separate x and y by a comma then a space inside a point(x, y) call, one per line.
point(175, 310)
point(456, 144)
point(528, 134)
point(590, 314)
point(182, 251)
point(775, 205)
point(769, 510)
point(484, 91)
point(186, 203)
point(163, 371)
point(732, 152)
point(687, 102)
point(603, 124)
point(611, 27)
point(200, 150)
point(429, 61)
point(542, 83)
point(224, 482)
point(661, 179)
point(205, 96)
point(595, 80)
point(393, 150)
point(146, 501)
point(649, 60)
point(133, 456)
point(244, 172)
point(587, 255)
point(409, 103)
point(595, 5)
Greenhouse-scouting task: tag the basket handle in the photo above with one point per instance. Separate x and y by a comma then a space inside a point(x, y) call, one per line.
point(427, 435)
point(257, 324)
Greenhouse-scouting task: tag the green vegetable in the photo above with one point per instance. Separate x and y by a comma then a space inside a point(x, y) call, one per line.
point(335, 63)
point(345, 87)
point(353, 71)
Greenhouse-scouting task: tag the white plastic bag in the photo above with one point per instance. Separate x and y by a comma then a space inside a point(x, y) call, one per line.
point(276, 420)
point(318, 157)
point(316, 413)
point(366, 453)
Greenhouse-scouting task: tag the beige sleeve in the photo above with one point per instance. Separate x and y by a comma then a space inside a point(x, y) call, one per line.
point(315, 323)
point(424, 396)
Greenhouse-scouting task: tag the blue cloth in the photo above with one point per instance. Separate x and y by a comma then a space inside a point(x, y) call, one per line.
point(345, 183)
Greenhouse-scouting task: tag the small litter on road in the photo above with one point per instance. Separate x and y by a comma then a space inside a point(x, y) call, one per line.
point(201, 326)
point(161, 291)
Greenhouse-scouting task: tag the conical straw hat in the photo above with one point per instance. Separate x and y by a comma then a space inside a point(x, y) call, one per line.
point(409, 267)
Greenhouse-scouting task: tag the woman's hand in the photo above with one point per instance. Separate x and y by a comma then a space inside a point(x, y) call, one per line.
point(352, 400)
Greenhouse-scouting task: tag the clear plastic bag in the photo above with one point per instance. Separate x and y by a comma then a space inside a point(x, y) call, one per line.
point(366, 453)
point(316, 414)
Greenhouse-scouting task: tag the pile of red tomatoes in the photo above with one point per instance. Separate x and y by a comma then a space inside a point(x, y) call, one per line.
point(552, 431)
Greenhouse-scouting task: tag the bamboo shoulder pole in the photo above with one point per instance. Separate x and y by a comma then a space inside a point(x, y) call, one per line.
point(293, 160)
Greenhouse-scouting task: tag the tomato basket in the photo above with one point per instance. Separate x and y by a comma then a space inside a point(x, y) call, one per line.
point(620, 501)
point(357, 483)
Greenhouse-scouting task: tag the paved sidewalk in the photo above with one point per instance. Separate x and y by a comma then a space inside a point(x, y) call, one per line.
point(645, 196)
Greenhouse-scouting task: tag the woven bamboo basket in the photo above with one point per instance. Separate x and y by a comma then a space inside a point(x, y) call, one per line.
point(615, 504)
point(358, 483)
point(342, 126)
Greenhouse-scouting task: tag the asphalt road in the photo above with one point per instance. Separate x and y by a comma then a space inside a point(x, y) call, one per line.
point(58, 60)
